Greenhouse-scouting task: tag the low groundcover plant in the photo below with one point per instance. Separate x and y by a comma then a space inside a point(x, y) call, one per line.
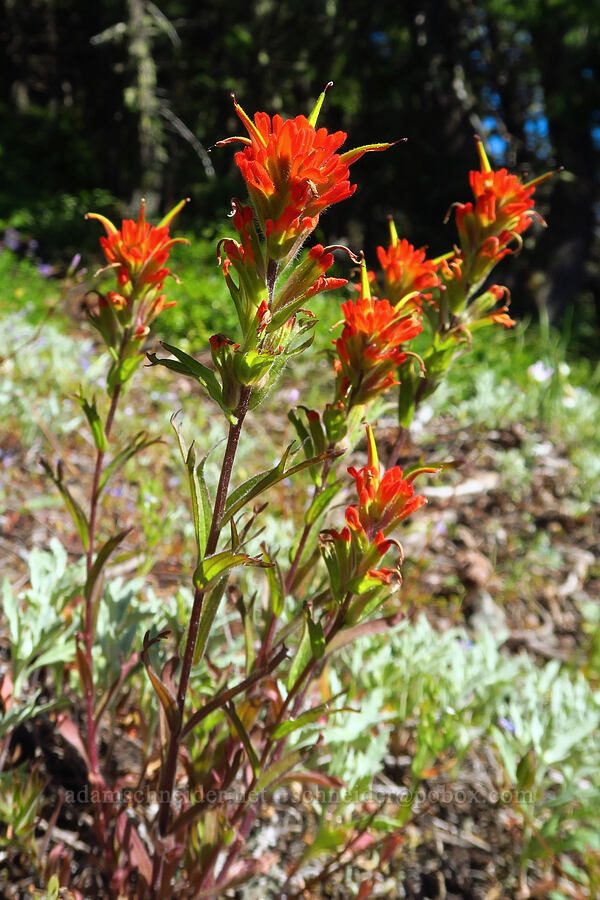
point(228, 737)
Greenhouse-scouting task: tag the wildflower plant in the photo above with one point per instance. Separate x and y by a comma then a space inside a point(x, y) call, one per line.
point(220, 752)
point(451, 291)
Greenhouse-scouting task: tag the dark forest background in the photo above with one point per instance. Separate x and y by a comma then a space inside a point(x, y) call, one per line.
point(103, 102)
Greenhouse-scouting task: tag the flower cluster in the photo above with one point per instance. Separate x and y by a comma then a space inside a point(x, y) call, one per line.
point(384, 500)
point(501, 212)
point(293, 172)
point(406, 271)
point(138, 252)
point(369, 349)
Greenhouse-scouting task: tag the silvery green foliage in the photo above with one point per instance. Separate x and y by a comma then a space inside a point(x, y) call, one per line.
point(551, 754)
point(442, 685)
point(543, 724)
point(40, 631)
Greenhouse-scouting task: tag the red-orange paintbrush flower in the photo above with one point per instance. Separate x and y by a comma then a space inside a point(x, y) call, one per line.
point(383, 502)
point(369, 349)
point(293, 172)
point(139, 250)
point(502, 211)
point(405, 269)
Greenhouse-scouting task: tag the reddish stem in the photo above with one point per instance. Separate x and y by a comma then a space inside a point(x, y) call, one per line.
point(170, 768)
point(92, 745)
point(169, 771)
point(335, 624)
point(289, 579)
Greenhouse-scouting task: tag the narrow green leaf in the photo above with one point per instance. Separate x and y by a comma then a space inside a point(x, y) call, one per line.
point(210, 607)
point(317, 638)
point(243, 736)
point(235, 535)
point(260, 393)
point(250, 638)
point(59, 653)
point(201, 525)
point(302, 344)
point(310, 716)
point(121, 372)
point(302, 657)
point(195, 368)
point(101, 559)
point(205, 501)
point(315, 427)
point(201, 505)
point(96, 427)
point(280, 768)
point(187, 365)
point(211, 568)
point(302, 433)
point(75, 510)
point(320, 503)
point(259, 483)
point(244, 492)
point(171, 364)
point(275, 582)
point(406, 396)
point(52, 888)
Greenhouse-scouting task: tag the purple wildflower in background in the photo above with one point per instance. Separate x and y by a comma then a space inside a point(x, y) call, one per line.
point(12, 239)
point(506, 724)
point(540, 371)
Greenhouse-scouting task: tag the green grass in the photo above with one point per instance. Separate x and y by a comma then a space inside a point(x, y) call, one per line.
point(57, 220)
point(24, 289)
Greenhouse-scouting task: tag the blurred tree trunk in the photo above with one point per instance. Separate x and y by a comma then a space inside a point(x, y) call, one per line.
point(142, 97)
